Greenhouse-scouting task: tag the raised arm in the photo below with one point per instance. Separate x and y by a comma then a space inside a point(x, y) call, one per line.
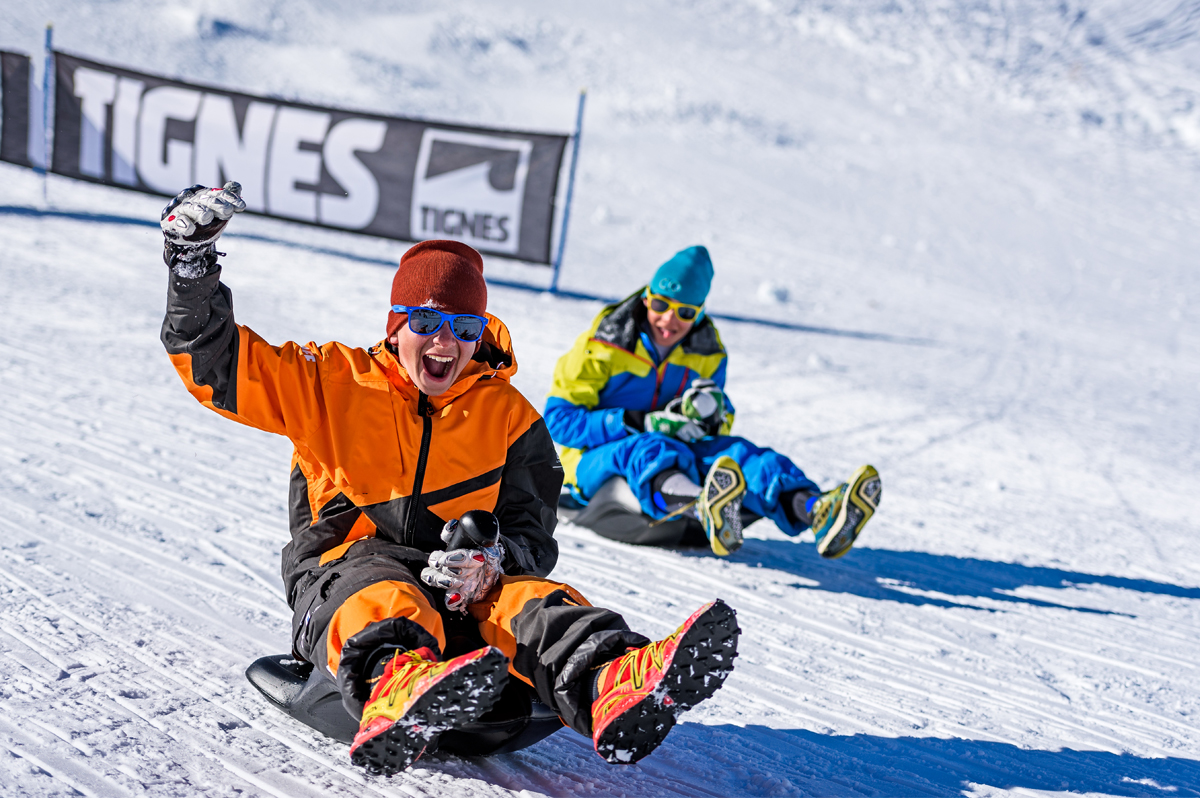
point(227, 367)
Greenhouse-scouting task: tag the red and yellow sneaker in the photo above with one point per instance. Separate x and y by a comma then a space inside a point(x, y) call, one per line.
point(639, 694)
point(417, 698)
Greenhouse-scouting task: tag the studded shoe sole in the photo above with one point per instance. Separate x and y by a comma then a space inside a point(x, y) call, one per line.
point(720, 505)
point(860, 498)
point(461, 695)
point(700, 662)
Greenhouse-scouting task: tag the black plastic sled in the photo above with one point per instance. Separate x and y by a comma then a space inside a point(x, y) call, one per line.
point(615, 513)
point(517, 721)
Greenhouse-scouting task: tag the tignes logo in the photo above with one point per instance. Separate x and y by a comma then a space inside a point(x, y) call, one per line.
point(470, 187)
point(493, 189)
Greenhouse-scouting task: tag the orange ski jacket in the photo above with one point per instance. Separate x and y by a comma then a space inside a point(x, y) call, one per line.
point(374, 456)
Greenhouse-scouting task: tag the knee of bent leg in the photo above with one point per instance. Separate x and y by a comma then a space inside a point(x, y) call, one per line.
point(389, 614)
point(376, 603)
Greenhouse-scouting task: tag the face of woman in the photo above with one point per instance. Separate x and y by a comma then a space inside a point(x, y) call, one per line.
point(666, 329)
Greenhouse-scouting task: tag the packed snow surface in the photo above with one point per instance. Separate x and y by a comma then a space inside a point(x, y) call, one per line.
point(979, 220)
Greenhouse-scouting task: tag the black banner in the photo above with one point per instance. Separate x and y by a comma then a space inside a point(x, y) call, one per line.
point(384, 176)
point(14, 89)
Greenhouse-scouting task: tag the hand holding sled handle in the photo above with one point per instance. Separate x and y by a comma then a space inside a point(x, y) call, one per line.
point(476, 530)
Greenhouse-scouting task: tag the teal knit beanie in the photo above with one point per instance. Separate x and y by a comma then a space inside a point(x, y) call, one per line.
point(685, 277)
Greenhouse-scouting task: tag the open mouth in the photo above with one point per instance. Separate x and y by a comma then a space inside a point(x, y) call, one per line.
point(437, 366)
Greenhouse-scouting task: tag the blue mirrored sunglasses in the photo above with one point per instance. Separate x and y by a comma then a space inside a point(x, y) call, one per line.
point(425, 321)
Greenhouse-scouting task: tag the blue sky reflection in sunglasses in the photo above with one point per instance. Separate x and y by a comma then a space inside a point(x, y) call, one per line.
point(425, 321)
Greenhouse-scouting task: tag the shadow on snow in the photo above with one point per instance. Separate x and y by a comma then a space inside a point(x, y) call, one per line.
point(900, 576)
point(792, 762)
point(700, 760)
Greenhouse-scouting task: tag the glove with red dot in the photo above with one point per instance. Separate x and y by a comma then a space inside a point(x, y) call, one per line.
point(193, 221)
point(466, 574)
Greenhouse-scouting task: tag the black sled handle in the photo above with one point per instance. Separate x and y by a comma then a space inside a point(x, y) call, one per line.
point(476, 530)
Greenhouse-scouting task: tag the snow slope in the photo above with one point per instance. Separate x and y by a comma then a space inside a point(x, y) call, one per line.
point(980, 220)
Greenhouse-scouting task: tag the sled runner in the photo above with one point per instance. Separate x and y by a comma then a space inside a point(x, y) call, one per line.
point(614, 513)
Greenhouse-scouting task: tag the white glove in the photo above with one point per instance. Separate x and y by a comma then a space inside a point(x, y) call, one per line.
point(188, 220)
point(466, 574)
point(192, 222)
point(704, 402)
point(698, 413)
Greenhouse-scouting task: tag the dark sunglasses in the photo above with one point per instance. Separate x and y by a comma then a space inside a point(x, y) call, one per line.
point(659, 305)
point(428, 321)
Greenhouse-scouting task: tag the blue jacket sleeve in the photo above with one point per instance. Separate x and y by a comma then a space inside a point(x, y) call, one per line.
point(578, 426)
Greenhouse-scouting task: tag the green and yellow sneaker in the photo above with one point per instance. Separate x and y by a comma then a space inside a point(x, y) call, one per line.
point(720, 504)
point(840, 514)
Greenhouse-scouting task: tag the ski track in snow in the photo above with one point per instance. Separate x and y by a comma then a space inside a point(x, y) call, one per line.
point(1021, 617)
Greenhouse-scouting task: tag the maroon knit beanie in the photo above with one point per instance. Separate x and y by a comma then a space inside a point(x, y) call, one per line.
point(441, 274)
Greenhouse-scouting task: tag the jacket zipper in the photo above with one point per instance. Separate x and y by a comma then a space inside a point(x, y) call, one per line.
point(659, 373)
point(682, 384)
point(414, 500)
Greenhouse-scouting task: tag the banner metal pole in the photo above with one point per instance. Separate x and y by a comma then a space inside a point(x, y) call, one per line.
point(47, 131)
point(562, 233)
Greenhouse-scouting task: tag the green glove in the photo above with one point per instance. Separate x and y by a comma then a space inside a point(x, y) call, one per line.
point(672, 423)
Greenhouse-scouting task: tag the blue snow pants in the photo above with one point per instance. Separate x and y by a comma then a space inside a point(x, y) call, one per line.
point(638, 458)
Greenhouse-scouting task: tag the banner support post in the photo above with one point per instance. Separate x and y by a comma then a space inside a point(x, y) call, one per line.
point(562, 233)
point(47, 131)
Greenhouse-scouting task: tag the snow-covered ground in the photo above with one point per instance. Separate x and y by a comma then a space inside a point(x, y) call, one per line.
point(1004, 194)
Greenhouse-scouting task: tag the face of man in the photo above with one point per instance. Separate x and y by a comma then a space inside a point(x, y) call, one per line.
point(433, 362)
point(666, 329)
